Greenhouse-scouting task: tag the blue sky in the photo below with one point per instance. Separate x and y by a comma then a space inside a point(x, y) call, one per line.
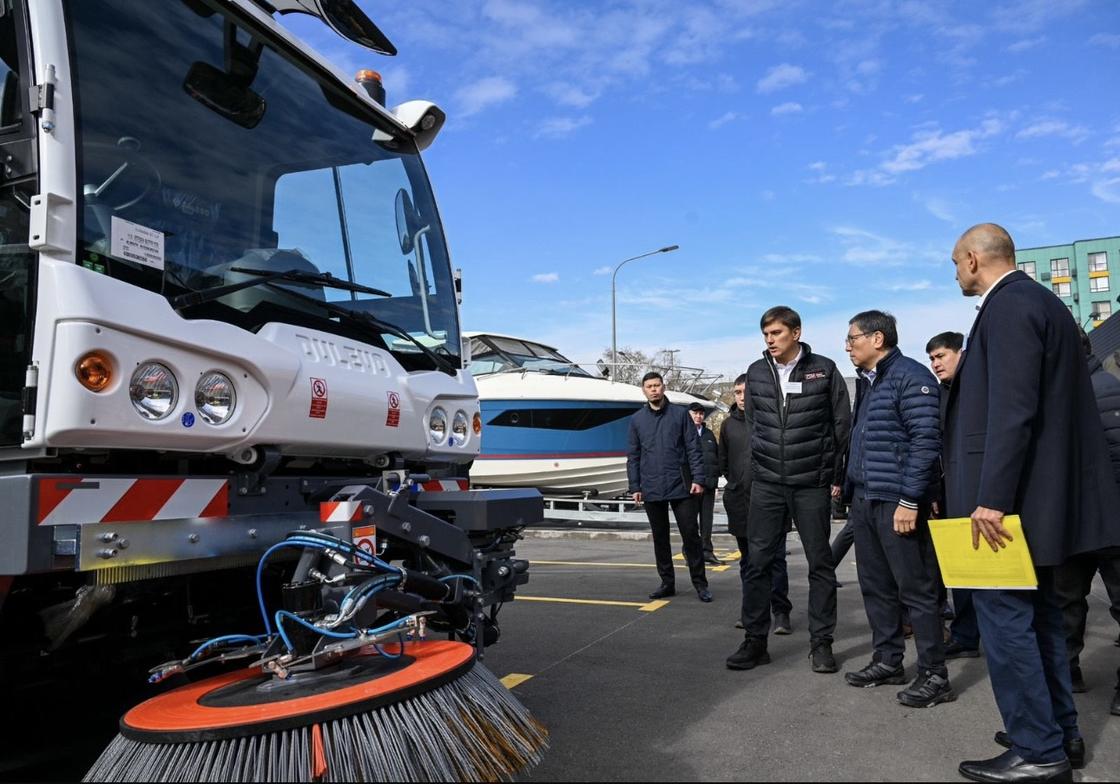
point(824, 155)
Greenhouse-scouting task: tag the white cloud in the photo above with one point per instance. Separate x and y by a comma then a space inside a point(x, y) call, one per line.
point(930, 146)
point(940, 209)
point(1027, 16)
point(546, 277)
point(781, 76)
point(789, 107)
point(917, 285)
point(558, 127)
point(602, 271)
point(1024, 44)
point(1050, 127)
point(1106, 39)
point(865, 248)
point(790, 258)
point(571, 95)
point(1108, 188)
point(484, 93)
point(723, 120)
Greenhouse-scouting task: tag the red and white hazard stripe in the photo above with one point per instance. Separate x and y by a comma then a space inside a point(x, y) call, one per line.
point(437, 485)
point(76, 500)
point(340, 511)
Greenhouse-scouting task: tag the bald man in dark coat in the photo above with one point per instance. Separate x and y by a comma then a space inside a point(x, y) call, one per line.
point(1022, 436)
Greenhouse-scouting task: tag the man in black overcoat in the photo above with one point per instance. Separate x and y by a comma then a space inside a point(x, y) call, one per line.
point(1022, 436)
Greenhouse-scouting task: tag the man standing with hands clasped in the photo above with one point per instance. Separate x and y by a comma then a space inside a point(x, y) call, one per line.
point(1022, 436)
point(892, 478)
point(800, 414)
point(665, 468)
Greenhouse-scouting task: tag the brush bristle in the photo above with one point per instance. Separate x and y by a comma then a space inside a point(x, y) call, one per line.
point(471, 729)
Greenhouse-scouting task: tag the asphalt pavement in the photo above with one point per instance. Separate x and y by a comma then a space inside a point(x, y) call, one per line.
point(633, 690)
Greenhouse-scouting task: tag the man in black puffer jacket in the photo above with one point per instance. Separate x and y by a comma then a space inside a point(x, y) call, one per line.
point(800, 414)
point(1074, 579)
point(665, 468)
point(892, 478)
point(735, 464)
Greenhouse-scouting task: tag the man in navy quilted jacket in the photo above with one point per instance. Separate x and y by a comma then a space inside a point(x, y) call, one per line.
point(891, 479)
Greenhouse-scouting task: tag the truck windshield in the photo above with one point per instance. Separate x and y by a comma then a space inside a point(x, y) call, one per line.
point(208, 148)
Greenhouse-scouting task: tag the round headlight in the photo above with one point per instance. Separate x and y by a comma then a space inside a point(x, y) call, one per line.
point(437, 425)
point(153, 390)
point(214, 397)
point(459, 427)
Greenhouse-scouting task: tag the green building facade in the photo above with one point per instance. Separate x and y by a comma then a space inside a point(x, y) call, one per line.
point(1084, 274)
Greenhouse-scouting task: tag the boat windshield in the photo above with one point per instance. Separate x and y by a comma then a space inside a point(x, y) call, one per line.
point(493, 354)
point(210, 152)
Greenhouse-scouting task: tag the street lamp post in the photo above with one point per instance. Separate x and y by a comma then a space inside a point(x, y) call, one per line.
point(614, 322)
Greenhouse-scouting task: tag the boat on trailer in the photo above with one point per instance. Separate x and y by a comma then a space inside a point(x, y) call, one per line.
point(550, 423)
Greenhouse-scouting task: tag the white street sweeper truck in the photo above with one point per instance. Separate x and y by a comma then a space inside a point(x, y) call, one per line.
point(234, 420)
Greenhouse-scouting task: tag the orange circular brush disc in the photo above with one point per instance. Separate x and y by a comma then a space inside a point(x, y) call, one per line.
point(247, 702)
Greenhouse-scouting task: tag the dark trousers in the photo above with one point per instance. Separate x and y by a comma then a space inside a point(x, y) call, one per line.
point(843, 541)
point(896, 573)
point(772, 505)
point(684, 510)
point(707, 514)
point(963, 629)
point(779, 578)
point(1025, 645)
point(1072, 581)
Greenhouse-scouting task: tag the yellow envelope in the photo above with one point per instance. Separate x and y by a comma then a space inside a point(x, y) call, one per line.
point(963, 567)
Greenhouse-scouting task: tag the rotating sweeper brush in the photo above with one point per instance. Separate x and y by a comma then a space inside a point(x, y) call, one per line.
point(337, 692)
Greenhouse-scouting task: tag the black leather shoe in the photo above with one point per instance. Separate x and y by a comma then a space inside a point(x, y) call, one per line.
point(823, 660)
point(876, 674)
point(927, 690)
point(1115, 708)
point(1009, 766)
point(751, 653)
point(713, 561)
point(1075, 749)
point(782, 624)
point(663, 591)
point(954, 650)
point(703, 594)
point(1077, 680)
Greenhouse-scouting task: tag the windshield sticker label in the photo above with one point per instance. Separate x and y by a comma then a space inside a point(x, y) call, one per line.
point(318, 399)
point(137, 243)
point(393, 417)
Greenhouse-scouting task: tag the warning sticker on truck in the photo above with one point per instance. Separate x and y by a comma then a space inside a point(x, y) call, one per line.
point(136, 243)
point(393, 417)
point(318, 399)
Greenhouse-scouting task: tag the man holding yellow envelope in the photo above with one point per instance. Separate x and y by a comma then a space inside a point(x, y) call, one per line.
point(1022, 437)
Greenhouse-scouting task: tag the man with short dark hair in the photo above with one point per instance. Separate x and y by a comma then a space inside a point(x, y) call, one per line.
point(892, 466)
point(735, 464)
point(797, 404)
point(944, 351)
point(1074, 578)
point(665, 468)
point(707, 501)
point(1022, 436)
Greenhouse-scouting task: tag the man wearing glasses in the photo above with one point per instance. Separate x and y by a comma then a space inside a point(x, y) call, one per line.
point(891, 480)
point(798, 407)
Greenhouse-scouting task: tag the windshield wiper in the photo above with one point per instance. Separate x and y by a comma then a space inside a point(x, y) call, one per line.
point(374, 321)
point(267, 276)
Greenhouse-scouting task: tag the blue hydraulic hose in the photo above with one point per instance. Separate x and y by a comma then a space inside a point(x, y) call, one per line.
point(256, 639)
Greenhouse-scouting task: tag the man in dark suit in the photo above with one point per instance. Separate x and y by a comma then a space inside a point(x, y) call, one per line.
point(1022, 436)
point(707, 500)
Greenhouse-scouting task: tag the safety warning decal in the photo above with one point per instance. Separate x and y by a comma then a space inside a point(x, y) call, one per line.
point(318, 399)
point(365, 537)
point(393, 417)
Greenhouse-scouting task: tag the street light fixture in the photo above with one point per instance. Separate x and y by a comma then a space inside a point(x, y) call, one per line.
point(614, 322)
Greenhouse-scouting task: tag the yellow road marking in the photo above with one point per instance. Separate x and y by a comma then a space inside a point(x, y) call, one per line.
point(642, 606)
point(599, 563)
point(515, 679)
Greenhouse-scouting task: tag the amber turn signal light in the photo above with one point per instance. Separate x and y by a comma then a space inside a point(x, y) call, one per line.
point(477, 424)
point(94, 371)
